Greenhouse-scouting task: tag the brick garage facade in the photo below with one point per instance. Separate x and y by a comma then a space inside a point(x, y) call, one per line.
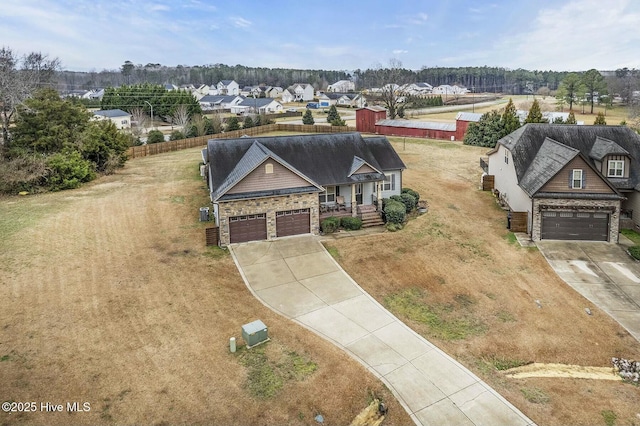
point(269, 206)
point(612, 207)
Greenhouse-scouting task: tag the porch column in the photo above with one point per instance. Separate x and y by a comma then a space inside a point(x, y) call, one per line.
point(354, 203)
point(379, 195)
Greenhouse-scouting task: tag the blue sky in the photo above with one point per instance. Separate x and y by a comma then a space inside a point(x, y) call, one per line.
point(560, 35)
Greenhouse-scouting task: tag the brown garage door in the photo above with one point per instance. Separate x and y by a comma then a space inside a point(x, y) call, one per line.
point(248, 228)
point(293, 222)
point(575, 226)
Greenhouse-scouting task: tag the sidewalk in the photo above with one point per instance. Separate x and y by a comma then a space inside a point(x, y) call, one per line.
point(297, 278)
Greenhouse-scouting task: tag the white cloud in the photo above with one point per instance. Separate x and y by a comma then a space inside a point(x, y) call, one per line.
point(240, 22)
point(418, 19)
point(399, 52)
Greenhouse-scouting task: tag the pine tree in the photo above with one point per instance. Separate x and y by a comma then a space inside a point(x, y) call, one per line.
point(248, 123)
point(600, 121)
point(232, 124)
point(535, 114)
point(571, 119)
point(307, 118)
point(510, 120)
point(333, 114)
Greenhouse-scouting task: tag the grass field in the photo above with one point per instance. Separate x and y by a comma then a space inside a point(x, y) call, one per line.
point(109, 296)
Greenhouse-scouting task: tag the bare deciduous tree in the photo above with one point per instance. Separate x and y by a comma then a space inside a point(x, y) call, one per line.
point(180, 116)
point(19, 78)
point(140, 118)
point(389, 81)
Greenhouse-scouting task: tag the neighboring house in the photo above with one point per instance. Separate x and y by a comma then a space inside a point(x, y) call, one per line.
point(120, 118)
point(169, 87)
point(569, 182)
point(298, 92)
point(350, 100)
point(228, 87)
point(547, 115)
point(257, 106)
point(273, 91)
point(249, 91)
point(277, 186)
point(446, 89)
point(342, 86)
point(94, 94)
point(417, 89)
point(215, 102)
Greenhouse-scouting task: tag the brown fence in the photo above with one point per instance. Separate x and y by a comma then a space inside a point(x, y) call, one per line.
point(162, 147)
point(488, 182)
point(519, 221)
point(212, 236)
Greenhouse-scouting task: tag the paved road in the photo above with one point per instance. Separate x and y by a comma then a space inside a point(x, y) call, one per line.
point(603, 273)
point(297, 278)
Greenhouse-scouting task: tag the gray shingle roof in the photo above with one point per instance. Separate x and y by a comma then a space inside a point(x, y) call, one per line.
point(603, 147)
point(550, 159)
point(525, 143)
point(324, 159)
point(111, 113)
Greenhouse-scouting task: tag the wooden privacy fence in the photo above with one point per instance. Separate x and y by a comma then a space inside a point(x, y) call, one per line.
point(162, 147)
point(212, 236)
point(519, 221)
point(488, 182)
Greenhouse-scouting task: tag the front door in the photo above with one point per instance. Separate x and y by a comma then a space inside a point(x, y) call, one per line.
point(358, 193)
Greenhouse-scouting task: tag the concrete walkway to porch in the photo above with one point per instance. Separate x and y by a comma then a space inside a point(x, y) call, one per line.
point(299, 279)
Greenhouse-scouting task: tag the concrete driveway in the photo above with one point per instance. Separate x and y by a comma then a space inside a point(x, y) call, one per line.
point(603, 273)
point(297, 278)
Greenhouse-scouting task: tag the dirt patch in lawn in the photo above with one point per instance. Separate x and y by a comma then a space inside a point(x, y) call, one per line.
point(562, 371)
point(110, 297)
point(455, 276)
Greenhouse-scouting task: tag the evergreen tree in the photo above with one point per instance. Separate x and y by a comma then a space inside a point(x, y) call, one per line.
point(600, 121)
point(155, 136)
point(558, 120)
point(594, 85)
point(485, 132)
point(510, 120)
point(571, 119)
point(176, 135)
point(307, 118)
point(535, 114)
point(232, 124)
point(248, 122)
point(333, 114)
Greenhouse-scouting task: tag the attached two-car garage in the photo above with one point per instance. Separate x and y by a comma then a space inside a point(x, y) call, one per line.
point(254, 227)
point(584, 226)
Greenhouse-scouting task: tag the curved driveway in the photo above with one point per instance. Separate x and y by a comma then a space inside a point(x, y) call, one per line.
point(297, 278)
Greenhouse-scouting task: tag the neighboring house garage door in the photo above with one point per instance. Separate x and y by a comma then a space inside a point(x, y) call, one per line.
point(293, 222)
point(575, 226)
point(248, 228)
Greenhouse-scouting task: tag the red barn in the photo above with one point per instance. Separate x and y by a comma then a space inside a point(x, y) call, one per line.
point(367, 117)
point(463, 119)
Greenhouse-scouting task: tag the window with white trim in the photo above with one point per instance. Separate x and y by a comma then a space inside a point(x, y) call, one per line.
point(576, 179)
point(616, 168)
point(389, 183)
point(328, 196)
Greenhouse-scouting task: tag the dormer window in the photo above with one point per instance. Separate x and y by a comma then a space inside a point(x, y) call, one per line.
point(615, 168)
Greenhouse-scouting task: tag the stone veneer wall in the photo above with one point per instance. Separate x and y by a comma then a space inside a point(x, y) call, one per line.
point(270, 206)
point(591, 206)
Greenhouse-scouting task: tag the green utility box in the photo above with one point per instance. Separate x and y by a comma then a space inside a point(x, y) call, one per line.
point(254, 333)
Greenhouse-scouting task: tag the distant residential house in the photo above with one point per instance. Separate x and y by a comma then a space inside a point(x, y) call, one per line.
point(257, 106)
point(94, 94)
point(273, 91)
point(120, 118)
point(349, 100)
point(250, 91)
point(445, 89)
point(298, 92)
point(417, 89)
point(169, 87)
point(342, 86)
point(228, 87)
point(216, 102)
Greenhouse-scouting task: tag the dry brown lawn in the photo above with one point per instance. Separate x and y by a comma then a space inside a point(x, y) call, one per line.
point(109, 296)
point(456, 264)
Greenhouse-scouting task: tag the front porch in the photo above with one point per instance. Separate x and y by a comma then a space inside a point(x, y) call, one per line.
point(368, 213)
